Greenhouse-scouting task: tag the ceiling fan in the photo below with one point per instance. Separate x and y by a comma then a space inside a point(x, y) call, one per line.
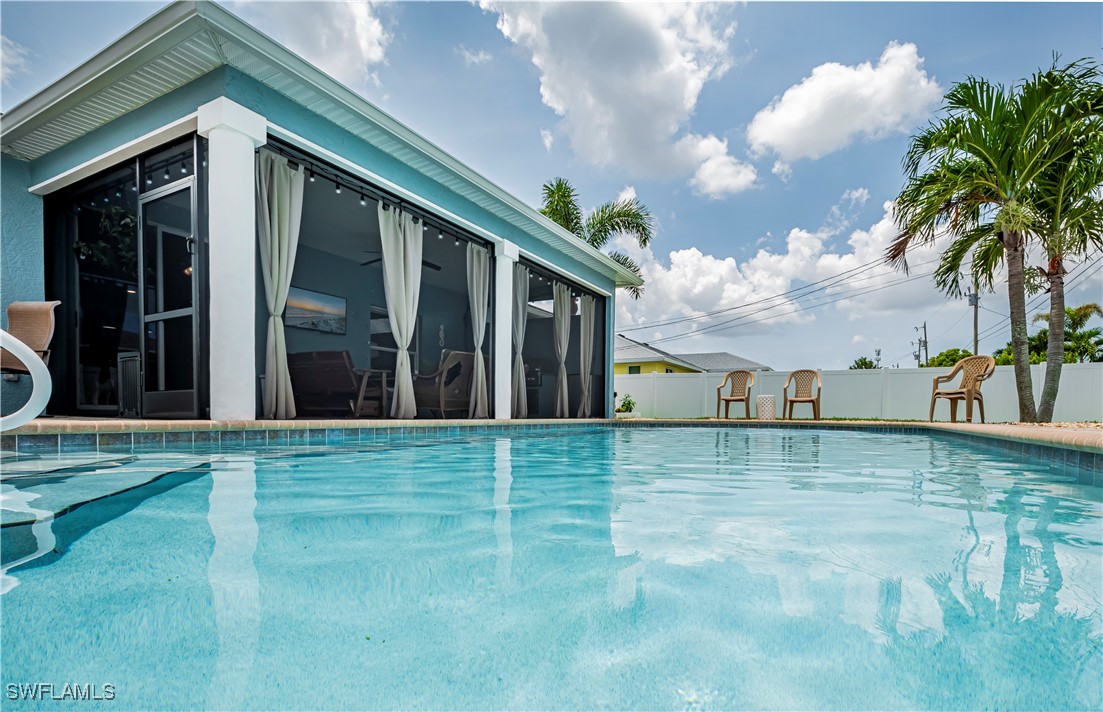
point(424, 263)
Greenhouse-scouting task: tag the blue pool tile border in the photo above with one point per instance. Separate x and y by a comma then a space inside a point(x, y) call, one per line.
point(1085, 462)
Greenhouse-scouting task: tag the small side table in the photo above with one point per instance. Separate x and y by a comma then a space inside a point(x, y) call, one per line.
point(765, 407)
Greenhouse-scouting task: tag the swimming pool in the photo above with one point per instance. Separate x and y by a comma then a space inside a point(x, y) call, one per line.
point(596, 568)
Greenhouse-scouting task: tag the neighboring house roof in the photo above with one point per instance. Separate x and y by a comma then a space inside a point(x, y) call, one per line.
point(187, 40)
point(722, 362)
point(629, 351)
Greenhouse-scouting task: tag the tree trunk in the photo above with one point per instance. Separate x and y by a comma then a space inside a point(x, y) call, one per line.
point(1055, 349)
point(1016, 297)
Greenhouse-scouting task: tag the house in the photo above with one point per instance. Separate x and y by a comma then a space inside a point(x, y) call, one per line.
point(632, 357)
point(722, 362)
point(213, 212)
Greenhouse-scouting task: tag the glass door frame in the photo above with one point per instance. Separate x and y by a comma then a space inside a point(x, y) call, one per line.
point(161, 403)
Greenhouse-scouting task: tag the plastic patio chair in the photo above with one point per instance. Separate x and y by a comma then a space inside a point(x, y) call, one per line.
point(802, 381)
point(741, 382)
point(974, 371)
point(33, 324)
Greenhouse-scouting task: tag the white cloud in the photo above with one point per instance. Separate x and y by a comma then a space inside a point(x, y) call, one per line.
point(625, 78)
point(628, 192)
point(470, 58)
point(547, 139)
point(782, 170)
point(720, 175)
point(343, 39)
point(857, 197)
point(691, 282)
point(837, 104)
point(14, 59)
point(857, 339)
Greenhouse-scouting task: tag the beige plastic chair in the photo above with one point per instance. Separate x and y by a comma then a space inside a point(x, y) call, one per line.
point(974, 371)
point(449, 387)
point(741, 382)
point(802, 382)
point(33, 324)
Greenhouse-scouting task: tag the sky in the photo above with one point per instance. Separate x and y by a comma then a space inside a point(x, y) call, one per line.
point(765, 138)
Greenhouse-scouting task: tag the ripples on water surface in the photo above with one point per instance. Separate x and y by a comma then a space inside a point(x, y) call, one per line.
point(604, 568)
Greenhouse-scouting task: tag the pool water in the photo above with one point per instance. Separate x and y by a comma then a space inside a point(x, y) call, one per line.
point(596, 568)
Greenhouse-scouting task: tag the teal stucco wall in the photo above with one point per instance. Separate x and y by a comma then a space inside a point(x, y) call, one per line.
point(21, 257)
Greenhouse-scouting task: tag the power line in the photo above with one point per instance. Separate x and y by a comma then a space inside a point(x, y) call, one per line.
point(794, 294)
point(729, 324)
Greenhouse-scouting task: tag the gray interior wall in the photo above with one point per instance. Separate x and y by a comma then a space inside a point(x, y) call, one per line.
point(362, 288)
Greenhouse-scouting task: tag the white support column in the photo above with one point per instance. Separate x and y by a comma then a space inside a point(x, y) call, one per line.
point(505, 256)
point(234, 133)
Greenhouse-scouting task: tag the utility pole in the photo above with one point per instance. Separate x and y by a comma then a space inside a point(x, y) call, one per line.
point(974, 301)
point(921, 348)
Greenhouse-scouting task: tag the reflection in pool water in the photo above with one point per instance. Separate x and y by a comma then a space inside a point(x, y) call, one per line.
point(605, 568)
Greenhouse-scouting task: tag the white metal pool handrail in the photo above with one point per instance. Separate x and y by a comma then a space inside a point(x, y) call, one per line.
point(41, 385)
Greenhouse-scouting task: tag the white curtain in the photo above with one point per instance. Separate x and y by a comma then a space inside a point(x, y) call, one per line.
point(402, 242)
point(520, 319)
point(561, 315)
point(279, 211)
point(586, 351)
point(478, 295)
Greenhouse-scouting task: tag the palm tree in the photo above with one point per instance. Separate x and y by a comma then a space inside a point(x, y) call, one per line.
point(979, 175)
point(1085, 344)
point(1067, 195)
point(625, 216)
point(1080, 344)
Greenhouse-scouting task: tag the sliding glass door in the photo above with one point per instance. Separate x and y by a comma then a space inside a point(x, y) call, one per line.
point(168, 279)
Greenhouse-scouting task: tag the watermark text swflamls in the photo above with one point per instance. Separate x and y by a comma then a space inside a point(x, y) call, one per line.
point(58, 693)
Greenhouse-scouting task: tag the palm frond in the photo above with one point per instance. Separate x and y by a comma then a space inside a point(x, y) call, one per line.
point(560, 204)
point(626, 216)
point(632, 266)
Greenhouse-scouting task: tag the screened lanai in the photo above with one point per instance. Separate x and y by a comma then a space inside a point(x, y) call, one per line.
point(344, 349)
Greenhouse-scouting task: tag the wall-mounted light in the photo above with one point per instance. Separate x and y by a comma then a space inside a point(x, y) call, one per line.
point(149, 179)
point(440, 234)
point(311, 175)
point(131, 291)
point(457, 243)
point(337, 188)
point(184, 168)
point(167, 176)
point(363, 200)
point(187, 271)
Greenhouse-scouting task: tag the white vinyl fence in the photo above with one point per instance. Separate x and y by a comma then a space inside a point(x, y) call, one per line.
point(889, 393)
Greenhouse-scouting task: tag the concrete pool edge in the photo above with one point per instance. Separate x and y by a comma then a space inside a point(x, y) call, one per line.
point(1078, 447)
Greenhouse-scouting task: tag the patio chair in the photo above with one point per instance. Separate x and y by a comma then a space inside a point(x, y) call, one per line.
point(33, 324)
point(449, 387)
point(326, 383)
point(974, 371)
point(741, 382)
point(802, 382)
